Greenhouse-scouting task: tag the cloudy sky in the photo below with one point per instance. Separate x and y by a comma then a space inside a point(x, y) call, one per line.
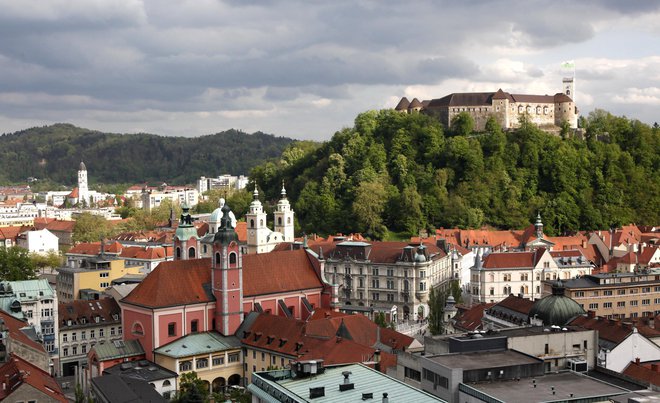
point(305, 69)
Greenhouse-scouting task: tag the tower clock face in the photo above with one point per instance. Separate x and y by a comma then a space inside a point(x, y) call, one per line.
point(252, 232)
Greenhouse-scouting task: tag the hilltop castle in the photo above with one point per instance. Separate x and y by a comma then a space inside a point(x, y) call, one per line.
point(543, 110)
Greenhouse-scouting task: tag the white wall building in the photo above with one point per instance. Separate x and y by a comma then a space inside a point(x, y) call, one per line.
point(38, 241)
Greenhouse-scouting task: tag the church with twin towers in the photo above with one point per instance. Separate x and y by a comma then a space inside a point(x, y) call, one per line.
point(260, 239)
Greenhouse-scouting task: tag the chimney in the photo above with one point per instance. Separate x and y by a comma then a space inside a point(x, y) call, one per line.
point(637, 360)
point(347, 385)
point(385, 399)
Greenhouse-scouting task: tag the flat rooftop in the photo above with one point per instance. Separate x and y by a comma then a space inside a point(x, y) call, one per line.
point(484, 360)
point(564, 383)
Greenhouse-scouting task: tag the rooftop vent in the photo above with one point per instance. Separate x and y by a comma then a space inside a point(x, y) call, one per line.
point(367, 396)
point(347, 385)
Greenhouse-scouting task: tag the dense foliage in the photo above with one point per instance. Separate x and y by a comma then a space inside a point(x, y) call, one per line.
point(402, 172)
point(53, 154)
point(16, 265)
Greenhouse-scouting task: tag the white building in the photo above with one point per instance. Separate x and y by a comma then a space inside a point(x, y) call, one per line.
point(38, 241)
point(36, 302)
point(177, 194)
point(221, 182)
point(260, 238)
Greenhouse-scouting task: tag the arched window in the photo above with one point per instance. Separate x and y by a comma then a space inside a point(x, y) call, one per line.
point(137, 329)
point(279, 220)
point(217, 258)
point(251, 223)
point(545, 110)
point(406, 285)
point(167, 383)
point(178, 253)
point(538, 110)
point(261, 223)
point(191, 253)
point(288, 220)
point(232, 258)
point(521, 109)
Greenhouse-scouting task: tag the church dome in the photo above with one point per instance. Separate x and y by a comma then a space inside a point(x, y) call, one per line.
point(556, 309)
point(82, 166)
point(216, 215)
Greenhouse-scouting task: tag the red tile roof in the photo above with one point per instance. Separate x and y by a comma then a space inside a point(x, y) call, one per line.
point(277, 272)
point(14, 327)
point(470, 318)
point(42, 222)
point(62, 226)
point(172, 283)
point(74, 193)
point(610, 329)
point(12, 232)
point(186, 281)
point(289, 337)
point(381, 251)
point(75, 311)
point(645, 372)
point(517, 304)
point(505, 260)
point(144, 253)
point(18, 371)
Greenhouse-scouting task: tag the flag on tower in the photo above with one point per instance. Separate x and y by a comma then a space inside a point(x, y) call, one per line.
point(568, 64)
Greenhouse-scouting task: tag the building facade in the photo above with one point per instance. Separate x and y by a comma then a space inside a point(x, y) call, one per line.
point(82, 325)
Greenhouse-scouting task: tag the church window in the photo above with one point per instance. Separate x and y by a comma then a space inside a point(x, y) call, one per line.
point(279, 220)
point(178, 253)
point(261, 223)
point(251, 223)
point(194, 326)
point(288, 220)
point(232, 258)
point(191, 253)
point(217, 258)
point(171, 329)
point(204, 248)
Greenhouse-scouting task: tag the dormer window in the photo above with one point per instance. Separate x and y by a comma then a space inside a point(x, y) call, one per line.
point(270, 339)
point(97, 319)
point(299, 345)
point(257, 336)
point(115, 316)
point(283, 342)
point(83, 320)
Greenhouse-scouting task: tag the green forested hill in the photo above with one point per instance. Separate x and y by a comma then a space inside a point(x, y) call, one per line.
point(54, 153)
point(404, 173)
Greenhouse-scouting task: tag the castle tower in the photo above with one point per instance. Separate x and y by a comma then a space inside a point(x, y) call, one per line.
point(227, 277)
point(284, 217)
point(83, 190)
point(568, 85)
point(186, 240)
point(257, 231)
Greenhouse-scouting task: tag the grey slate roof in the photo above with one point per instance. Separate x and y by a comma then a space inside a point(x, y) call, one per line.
point(118, 349)
point(118, 389)
point(198, 343)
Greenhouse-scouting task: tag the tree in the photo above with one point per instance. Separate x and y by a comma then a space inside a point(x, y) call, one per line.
point(50, 260)
point(368, 206)
point(90, 228)
point(191, 389)
point(462, 124)
point(16, 265)
point(437, 301)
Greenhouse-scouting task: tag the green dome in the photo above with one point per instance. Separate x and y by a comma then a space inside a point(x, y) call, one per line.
point(556, 309)
point(186, 229)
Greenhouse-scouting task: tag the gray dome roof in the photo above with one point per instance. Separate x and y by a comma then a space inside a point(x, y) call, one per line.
point(226, 233)
point(82, 166)
point(556, 309)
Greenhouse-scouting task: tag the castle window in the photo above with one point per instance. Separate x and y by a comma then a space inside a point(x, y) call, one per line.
point(251, 223)
point(191, 253)
point(232, 258)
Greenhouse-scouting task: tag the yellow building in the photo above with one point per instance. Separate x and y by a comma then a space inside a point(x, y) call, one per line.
point(216, 359)
point(94, 275)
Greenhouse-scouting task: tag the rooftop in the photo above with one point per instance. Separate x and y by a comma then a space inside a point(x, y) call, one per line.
point(364, 379)
point(566, 385)
point(484, 360)
point(198, 343)
point(118, 349)
point(143, 370)
point(115, 388)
